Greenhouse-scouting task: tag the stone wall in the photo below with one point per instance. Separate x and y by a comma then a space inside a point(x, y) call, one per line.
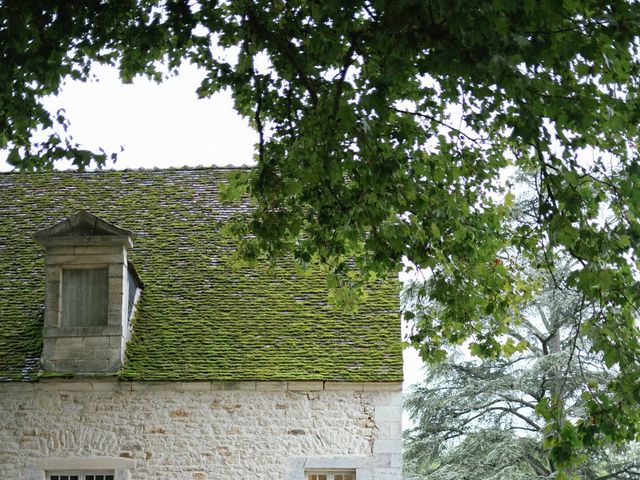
point(201, 430)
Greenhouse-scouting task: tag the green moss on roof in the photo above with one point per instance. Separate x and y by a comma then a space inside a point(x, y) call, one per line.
point(197, 318)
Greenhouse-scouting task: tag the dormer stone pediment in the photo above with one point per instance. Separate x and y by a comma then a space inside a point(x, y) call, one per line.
point(91, 289)
point(84, 228)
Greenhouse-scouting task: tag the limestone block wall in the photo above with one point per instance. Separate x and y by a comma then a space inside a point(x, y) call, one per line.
point(201, 430)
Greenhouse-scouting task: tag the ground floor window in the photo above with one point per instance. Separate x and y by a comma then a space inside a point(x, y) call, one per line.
point(330, 475)
point(71, 475)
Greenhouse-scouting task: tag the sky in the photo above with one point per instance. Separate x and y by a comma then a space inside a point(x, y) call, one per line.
point(157, 125)
point(163, 126)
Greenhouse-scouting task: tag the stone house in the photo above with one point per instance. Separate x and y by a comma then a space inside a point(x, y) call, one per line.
point(130, 349)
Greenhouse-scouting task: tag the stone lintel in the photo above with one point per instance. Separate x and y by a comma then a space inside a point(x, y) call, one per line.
point(84, 260)
point(85, 241)
point(85, 463)
point(98, 250)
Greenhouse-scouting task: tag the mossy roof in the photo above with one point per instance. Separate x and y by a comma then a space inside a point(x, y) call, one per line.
point(197, 318)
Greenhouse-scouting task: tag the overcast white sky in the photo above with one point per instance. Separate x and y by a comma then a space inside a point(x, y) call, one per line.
point(163, 126)
point(158, 125)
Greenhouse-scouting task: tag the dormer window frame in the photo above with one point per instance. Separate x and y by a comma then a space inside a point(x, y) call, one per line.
point(87, 242)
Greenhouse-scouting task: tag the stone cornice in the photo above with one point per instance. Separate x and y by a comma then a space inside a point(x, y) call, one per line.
point(109, 385)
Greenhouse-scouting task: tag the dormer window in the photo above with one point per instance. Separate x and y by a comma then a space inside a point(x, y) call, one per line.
point(91, 289)
point(85, 293)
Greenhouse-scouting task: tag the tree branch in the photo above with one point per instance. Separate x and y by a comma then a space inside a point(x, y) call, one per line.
point(517, 414)
point(539, 468)
point(630, 470)
point(477, 141)
point(284, 46)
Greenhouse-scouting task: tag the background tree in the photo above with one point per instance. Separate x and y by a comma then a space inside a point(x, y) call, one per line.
point(488, 419)
point(385, 127)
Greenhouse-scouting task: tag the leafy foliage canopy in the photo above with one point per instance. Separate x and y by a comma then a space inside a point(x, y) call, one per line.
point(385, 128)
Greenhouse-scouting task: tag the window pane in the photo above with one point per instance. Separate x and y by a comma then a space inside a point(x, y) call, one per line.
point(331, 475)
point(79, 475)
point(84, 297)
